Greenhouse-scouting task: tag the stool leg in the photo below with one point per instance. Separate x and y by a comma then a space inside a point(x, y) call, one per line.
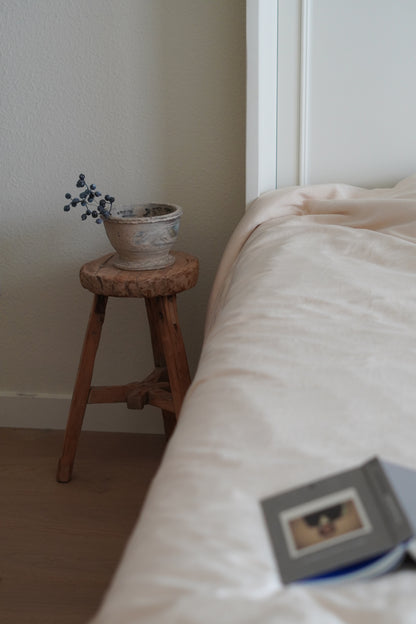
point(81, 388)
point(169, 351)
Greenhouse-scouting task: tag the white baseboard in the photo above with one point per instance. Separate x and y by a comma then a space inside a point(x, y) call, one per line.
point(50, 411)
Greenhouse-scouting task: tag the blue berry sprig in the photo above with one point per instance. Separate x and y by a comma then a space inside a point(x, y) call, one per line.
point(98, 209)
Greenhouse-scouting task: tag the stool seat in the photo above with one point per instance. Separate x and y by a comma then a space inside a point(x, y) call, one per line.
point(166, 385)
point(101, 277)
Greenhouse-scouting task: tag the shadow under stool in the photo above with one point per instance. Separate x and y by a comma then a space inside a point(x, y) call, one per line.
point(167, 384)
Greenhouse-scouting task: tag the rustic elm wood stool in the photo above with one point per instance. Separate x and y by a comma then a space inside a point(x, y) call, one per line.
point(166, 386)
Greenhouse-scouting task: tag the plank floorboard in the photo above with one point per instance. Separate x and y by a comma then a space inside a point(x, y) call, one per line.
point(60, 543)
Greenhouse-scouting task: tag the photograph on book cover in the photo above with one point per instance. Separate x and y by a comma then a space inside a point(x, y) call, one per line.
point(341, 520)
point(324, 522)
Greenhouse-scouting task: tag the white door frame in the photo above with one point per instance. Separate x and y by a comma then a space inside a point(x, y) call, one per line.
point(277, 77)
point(261, 137)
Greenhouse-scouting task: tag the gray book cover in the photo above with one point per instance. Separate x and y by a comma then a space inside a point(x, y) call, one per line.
point(343, 520)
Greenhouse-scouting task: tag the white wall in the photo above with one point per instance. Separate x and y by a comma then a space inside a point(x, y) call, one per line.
point(358, 118)
point(147, 98)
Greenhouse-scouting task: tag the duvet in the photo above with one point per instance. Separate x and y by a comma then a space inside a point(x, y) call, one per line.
point(308, 367)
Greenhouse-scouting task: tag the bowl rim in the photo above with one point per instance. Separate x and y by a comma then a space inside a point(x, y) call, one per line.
point(170, 216)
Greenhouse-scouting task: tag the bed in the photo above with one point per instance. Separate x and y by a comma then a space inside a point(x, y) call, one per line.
point(307, 368)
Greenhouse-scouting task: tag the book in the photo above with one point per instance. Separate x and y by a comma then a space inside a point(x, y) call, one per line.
point(355, 524)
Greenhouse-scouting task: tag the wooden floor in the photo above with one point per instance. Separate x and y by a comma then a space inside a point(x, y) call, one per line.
point(60, 543)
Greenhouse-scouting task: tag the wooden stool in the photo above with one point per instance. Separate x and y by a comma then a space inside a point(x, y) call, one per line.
point(166, 386)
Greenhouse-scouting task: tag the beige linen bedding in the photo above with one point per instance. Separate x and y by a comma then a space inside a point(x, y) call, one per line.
point(308, 367)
